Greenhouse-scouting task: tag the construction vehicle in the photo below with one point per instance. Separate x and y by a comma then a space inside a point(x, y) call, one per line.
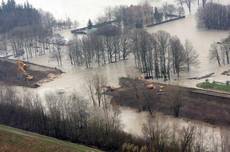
point(22, 70)
point(159, 88)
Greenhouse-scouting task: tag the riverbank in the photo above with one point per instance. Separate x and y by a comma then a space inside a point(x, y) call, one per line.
point(191, 103)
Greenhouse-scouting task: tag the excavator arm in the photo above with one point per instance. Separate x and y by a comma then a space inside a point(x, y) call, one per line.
point(22, 69)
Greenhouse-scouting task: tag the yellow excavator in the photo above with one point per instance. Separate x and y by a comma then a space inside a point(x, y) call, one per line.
point(22, 68)
point(159, 88)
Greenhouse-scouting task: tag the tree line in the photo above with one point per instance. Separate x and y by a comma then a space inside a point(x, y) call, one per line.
point(145, 14)
point(13, 15)
point(156, 55)
point(109, 44)
point(71, 118)
point(214, 16)
point(27, 32)
point(140, 15)
point(159, 54)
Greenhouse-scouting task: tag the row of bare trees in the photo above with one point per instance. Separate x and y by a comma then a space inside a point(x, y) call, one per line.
point(156, 55)
point(159, 55)
point(71, 118)
point(100, 48)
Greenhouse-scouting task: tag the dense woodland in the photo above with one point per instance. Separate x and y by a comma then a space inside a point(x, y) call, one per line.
point(214, 16)
point(28, 32)
point(12, 16)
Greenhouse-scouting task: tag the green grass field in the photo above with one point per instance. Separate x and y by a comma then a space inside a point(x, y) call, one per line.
point(16, 140)
point(214, 86)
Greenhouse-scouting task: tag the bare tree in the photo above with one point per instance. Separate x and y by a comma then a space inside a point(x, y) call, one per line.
point(214, 54)
point(156, 134)
point(191, 56)
point(178, 55)
point(181, 3)
point(96, 86)
point(204, 2)
point(163, 43)
point(188, 136)
point(189, 4)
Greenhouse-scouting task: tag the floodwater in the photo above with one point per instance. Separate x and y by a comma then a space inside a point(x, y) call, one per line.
point(186, 29)
point(75, 78)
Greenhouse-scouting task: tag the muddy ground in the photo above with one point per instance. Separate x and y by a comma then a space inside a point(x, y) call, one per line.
point(9, 75)
point(207, 106)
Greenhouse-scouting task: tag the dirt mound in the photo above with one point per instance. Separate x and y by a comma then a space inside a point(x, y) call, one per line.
point(9, 75)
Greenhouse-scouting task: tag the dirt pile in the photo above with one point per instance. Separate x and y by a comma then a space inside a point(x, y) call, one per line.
point(9, 75)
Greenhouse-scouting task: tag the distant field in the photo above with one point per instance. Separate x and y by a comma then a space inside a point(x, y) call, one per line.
point(214, 86)
point(15, 140)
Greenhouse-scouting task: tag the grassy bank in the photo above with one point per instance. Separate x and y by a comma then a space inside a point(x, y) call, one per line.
point(16, 140)
point(214, 86)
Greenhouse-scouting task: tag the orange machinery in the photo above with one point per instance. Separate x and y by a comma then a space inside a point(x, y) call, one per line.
point(21, 69)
